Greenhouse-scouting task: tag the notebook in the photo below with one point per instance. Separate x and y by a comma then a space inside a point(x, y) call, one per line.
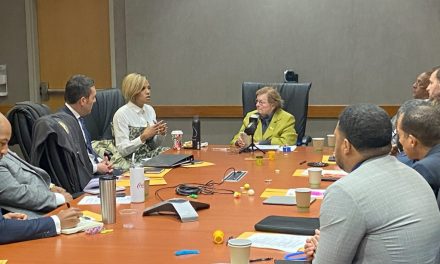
point(93, 187)
point(83, 224)
point(288, 225)
point(168, 160)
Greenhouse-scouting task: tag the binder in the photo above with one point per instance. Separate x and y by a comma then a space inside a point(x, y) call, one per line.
point(288, 225)
point(168, 160)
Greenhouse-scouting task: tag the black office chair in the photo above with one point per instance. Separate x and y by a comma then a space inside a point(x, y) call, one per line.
point(296, 102)
point(99, 121)
point(22, 118)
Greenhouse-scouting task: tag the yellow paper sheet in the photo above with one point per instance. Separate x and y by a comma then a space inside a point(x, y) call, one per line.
point(125, 182)
point(245, 235)
point(151, 175)
point(325, 159)
point(299, 172)
point(268, 192)
point(198, 164)
point(93, 215)
point(3, 261)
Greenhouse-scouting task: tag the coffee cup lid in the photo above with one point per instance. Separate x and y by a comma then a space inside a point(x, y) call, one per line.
point(303, 190)
point(237, 242)
point(176, 132)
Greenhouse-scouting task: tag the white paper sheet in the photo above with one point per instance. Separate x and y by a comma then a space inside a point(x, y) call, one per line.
point(283, 242)
point(87, 200)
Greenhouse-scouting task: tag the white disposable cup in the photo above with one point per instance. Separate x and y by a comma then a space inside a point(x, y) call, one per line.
point(137, 185)
point(303, 199)
point(318, 144)
point(128, 217)
point(315, 176)
point(331, 140)
point(240, 250)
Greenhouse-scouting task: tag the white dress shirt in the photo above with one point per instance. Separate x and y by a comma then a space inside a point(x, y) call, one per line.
point(132, 115)
point(91, 156)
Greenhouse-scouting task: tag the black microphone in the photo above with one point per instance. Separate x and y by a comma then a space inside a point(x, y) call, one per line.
point(252, 126)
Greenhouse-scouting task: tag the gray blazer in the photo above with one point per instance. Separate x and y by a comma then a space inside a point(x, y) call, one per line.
point(382, 212)
point(24, 188)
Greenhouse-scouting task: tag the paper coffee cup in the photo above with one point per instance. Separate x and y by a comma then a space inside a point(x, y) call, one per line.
point(303, 199)
point(315, 175)
point(318, 144)
point(177, 136)
point(331, 140)
point(239, 250)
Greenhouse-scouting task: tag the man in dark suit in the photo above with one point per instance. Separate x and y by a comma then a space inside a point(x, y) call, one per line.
point(79, 97)
point(419, 134)
point(14, 226)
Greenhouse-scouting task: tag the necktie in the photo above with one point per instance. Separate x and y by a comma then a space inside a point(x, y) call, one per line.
point(88, 140)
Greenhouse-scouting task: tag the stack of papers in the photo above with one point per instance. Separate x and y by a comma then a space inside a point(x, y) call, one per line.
point(283, 242)
point(93, 187)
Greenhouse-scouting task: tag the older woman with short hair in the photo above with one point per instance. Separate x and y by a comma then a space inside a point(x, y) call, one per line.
point(135, 127)
point(275, 126)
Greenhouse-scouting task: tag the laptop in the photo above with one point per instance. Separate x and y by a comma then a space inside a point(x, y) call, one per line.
point(168, 160)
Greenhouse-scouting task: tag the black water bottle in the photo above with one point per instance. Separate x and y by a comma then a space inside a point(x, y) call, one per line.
point(196, 133)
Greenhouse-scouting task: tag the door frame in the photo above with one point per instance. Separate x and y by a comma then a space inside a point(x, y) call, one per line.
point(33, 52)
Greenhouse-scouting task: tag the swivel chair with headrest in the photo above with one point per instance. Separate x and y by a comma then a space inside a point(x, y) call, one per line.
point(99, 121)
point(22, 118)
point(296, 102)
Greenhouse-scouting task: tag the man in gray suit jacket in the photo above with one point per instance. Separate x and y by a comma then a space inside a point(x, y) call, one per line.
point(25, 188)
point(381, 212)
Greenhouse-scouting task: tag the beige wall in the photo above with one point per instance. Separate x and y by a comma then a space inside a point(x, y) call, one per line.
point(198, 52)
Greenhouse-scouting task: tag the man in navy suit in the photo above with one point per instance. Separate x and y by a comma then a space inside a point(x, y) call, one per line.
point(14, 227)
point(419, 134)
point(79, 97)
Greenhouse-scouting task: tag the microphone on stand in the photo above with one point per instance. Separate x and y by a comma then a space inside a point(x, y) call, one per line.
point(252, 126)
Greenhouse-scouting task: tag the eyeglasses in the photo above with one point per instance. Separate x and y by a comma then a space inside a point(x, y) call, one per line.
point(260, 102)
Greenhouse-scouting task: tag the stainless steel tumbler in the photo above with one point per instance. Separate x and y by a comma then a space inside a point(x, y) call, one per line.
point(107, 190)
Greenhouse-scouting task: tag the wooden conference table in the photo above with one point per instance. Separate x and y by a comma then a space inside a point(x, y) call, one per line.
point(154, 239)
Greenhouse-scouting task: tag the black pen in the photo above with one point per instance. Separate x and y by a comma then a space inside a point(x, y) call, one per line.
point(260, 259)
point(302, 162)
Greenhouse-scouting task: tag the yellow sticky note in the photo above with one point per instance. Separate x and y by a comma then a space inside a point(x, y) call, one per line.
point(246, 235)
point(157, 181)
point(158, 175)
point(268, 192)
point(299, 172)
point(93, 215)
point(198, 164)
point(123, 183)
point(325, 159)
point(3, 261)
point(153, 181)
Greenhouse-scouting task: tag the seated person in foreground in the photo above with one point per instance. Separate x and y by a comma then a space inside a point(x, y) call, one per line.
point(25, 188)
point(15, 227)
point(135, 127)
point(419, 134)
point(275, 126)
point(382, 211)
